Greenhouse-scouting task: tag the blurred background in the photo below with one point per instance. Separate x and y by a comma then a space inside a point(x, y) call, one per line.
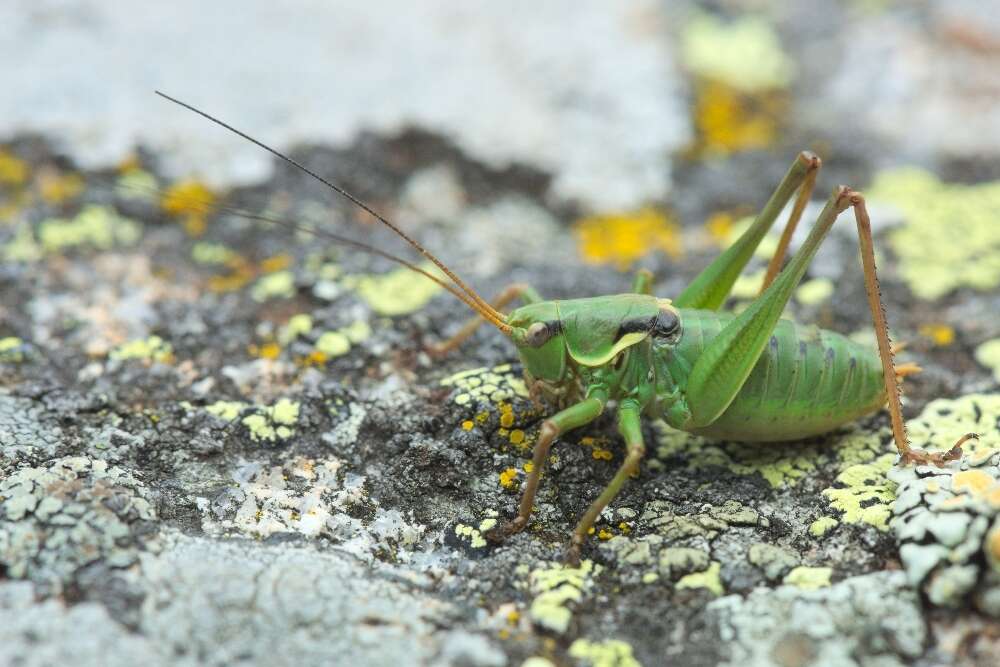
point(248, 381)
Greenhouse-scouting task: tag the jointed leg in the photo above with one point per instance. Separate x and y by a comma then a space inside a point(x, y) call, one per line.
point(711, 287)
point(805, 192)
point(889, 371)
point(572, 417)
point(509, 293)
point(630, 427)
point(643, 282)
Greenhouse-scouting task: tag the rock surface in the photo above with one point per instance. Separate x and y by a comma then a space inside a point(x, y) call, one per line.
point(224, 441)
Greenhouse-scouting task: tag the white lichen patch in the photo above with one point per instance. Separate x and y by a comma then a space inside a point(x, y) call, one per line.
point(308, 497)
point(558, 589)
point(69, 513)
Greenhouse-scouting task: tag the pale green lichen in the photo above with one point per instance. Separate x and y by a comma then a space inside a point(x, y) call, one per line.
point(745, 53)
point(932, 258)
point(988, 354)
point(271, 423)
point(153, 349)
point(95, 226)
point(226, 410)
point(204, 252)
point(69, 513)
point(708, 579)
point(297, 325)
point(338, 343)
point(809, 578)
point(473, 535)
point(278, 285)
point(865, 494)
point(496, 384)
point(814, 292)
point(11, 350)
point(607, 653)
point(823, 525)
point(778, 464)
point(138, 184)
point(556, 588)
point(398, 292)
point(333, 344)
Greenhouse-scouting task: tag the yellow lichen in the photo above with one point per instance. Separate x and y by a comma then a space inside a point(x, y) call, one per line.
point(621, 239)
point(57, 187)
point(508, 478)
point(398, 292)
point(191, 201)
point(941, 334)
point(809, 578)
point(608, 653)
point(708, 579)
point(950, 238)
point(727, 119)
point(149, 349)
point(13, 170)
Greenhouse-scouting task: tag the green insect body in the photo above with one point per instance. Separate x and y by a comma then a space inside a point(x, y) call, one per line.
point(808, 381)
point(745, 377)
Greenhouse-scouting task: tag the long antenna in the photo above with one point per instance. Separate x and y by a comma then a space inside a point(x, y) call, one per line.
point(207, 207)
point(497, 318)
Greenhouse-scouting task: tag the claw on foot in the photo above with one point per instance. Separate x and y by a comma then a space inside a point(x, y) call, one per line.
point(940, 459)
point(501, 533)
point(572, 556)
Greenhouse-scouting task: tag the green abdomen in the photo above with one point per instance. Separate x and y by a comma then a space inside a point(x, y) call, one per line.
point(807, 381)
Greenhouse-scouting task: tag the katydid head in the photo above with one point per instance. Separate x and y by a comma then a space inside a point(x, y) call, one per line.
point(552, 335)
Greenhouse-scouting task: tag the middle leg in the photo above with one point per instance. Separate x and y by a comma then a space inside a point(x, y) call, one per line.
point(630, 427)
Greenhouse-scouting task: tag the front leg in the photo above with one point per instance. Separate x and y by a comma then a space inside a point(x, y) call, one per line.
point(630, 426)
point(572, 417)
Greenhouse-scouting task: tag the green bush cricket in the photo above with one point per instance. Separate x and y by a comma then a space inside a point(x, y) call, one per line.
point(746, 377)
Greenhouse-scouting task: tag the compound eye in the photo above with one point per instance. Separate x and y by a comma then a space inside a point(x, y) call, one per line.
point(667, 323)
point(537, 334)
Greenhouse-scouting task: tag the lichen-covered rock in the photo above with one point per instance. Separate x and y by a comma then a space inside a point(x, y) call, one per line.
point(945, 519)
point(27, 436)
point(69, 513)
point(216, 602)
point(876, 616)
point(49, 632)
